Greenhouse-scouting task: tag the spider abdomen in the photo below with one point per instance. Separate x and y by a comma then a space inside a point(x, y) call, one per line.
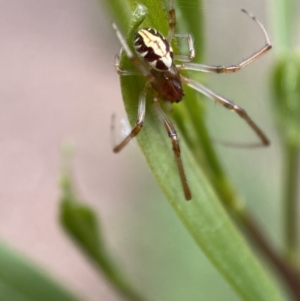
point(153, 48)
point(168, 84)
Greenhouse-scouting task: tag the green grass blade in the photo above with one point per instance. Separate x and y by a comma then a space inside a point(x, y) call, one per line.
point(21, 281)
point(203, 216)
point(82, 225)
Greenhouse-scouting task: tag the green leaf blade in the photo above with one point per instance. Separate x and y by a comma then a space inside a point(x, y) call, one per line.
point(20, 281)
point(83, 225)
point(203, 216)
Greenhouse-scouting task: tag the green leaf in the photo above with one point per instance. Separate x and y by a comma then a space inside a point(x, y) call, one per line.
point(21, 281)
point(82, 224)
point(204, 216)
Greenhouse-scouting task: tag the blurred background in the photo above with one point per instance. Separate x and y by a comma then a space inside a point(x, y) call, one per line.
point(58, 85)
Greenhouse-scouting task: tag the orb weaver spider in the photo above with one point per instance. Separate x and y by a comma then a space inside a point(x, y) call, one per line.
point(155, 61)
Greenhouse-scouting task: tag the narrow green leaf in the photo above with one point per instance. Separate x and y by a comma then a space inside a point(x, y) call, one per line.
point(204, 216)
point(82, 224)
point(22, 281)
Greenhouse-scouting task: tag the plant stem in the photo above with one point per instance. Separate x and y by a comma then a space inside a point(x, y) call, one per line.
point(284, 13)
point(291, 154)
point(288, 273)
point(233, 203)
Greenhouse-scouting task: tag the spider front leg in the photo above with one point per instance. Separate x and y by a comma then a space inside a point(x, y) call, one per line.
point(139, 122)
point(135, 61)
point(190, 41)
point(172, 34)
point(237, 67)
point(122, 72)
point(172, 21)
point(228, 105)
point(175, 146)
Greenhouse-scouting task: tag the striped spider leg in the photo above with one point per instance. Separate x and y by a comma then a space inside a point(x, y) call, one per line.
point(229, 69)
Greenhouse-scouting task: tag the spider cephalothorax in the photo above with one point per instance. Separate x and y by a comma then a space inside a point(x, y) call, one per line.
point(156, 62)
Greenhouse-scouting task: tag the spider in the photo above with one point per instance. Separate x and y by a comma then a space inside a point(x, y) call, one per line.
point(155, 60)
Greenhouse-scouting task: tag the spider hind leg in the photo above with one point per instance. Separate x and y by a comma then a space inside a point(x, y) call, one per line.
point(231, 106)
point(175, 146)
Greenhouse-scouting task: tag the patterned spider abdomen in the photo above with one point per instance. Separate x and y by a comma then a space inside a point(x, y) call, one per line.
point(153, 48)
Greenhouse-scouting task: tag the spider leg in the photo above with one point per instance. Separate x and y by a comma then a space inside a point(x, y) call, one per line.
point(228, 105)
point(135, 61)
point(139, 122)
point(190, 41)
point(175, 146)
point(124, 72)
point(172, 21)
point(237, 67)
